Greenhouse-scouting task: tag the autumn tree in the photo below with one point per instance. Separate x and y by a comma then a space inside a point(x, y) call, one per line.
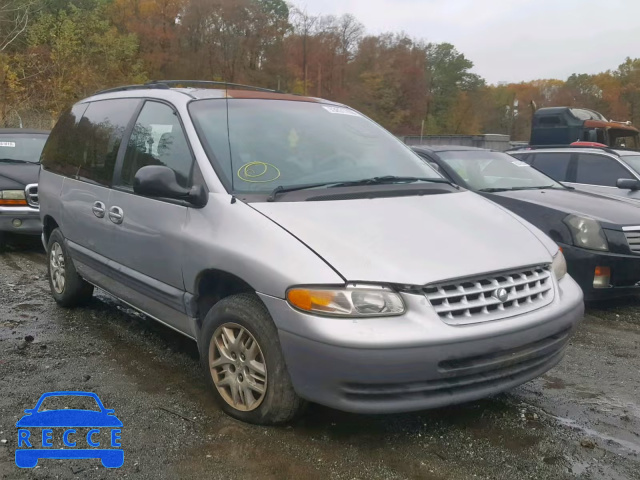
point(72, 53)
point(155, 24)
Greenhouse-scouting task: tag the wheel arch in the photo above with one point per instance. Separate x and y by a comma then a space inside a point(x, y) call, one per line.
point(212, 285)
point(49, 224)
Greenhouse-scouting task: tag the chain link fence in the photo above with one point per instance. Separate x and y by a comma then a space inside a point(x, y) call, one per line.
point(36, 119)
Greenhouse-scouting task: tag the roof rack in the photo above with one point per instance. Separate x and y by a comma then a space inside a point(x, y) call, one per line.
point(537, 147)
point(125, 88)
point(168, 84)
point(207, 83)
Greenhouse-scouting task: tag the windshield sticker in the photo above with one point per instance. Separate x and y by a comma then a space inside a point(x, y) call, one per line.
point(8, 144)
point(258, 172)
point(519, 163)
point(341, 111)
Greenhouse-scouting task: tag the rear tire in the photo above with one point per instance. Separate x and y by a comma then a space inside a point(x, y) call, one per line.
point(3, 242)
point(243, 362)
point(67, 287)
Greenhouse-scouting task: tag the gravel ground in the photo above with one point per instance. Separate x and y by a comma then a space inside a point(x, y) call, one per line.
point(581, 420)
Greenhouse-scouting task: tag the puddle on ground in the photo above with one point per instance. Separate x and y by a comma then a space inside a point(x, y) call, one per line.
point(553, 383)
point(627, 446)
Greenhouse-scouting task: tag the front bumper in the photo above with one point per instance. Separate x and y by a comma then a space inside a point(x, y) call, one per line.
point(416, 361)
point(28, 217)
point(625, 271)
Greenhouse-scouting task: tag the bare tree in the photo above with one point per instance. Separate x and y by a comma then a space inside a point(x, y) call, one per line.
point(15, 16)
point(303, 25)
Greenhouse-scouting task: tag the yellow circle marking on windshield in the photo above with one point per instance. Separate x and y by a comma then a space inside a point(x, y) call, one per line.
point(247, 172)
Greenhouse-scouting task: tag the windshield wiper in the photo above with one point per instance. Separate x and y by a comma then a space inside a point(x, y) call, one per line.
point(494, 190)
point(513, 189)
point(294, 188)
point(13, 160)
point(543, 187)
point(390, 179)
point(386, 180)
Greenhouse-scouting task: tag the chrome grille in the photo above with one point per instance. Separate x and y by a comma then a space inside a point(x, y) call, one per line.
point(31, 192)
point(474, 300)
point(633, 238)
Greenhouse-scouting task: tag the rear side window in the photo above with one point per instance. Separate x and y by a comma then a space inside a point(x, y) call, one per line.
point(102, 128)
point(599, 170)
point(84, 143)
point(60, 154)
point(554, 165)
point(158, 139)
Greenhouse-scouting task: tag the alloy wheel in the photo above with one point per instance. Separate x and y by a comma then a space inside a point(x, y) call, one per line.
point(56, 259)
point(237, 367)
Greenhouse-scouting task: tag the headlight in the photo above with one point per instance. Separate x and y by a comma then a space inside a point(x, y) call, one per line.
point(559, 265)
point(587, 233)
point(12, 197)
point(347, 302)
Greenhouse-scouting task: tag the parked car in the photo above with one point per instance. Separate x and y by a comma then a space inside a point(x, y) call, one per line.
point(19, 167)
point(310, 253)
point(599, 236)
point(605, 171)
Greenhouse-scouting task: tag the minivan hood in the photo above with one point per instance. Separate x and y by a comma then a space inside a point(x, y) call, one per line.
point(609, 211)
point(16, 176)
point(411, 240)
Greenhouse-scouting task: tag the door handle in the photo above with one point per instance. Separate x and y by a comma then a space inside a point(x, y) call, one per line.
point(98, 209)
point(116, 215)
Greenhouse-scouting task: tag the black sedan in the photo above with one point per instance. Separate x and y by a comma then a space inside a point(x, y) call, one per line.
point(19, 170)
point(599, 236)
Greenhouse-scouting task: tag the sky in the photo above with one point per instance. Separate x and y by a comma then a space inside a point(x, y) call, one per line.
point(509, 40)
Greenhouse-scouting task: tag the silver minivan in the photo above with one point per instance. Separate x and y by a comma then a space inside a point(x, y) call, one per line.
point(309, 253)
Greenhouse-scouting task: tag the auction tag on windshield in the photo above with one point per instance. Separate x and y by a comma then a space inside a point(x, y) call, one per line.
point(519, 163)
point(341, 111)
point(8, 144)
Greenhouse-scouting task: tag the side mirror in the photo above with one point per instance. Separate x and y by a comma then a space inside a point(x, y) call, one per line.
point(628, 184)
point(160, 181)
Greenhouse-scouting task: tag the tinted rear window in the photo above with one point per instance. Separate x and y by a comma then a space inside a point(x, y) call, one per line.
point(60, 154)
point(103, 126)
point(554, 165)
point(86, 148)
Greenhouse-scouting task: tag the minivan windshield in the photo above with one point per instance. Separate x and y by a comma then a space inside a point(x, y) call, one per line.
point(488, 171)
point(21, 147)
point(269, 143)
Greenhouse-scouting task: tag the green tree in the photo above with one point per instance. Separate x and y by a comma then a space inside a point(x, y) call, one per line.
point(75, 52)
point(447, 74)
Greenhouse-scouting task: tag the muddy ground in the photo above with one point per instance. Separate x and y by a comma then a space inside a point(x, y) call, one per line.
point(581, 420)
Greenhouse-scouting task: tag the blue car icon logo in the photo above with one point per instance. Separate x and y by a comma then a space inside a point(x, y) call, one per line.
point(36, 433)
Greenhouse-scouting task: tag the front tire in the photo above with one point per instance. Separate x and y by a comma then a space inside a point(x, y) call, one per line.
point(241, 355)
point(67, 287)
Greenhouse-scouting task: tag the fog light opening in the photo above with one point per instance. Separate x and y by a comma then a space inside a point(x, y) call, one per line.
point(17, 223)
point(602, 277)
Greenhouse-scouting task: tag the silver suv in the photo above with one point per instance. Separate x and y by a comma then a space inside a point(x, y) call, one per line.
point(605, 171)
point(309, 253)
